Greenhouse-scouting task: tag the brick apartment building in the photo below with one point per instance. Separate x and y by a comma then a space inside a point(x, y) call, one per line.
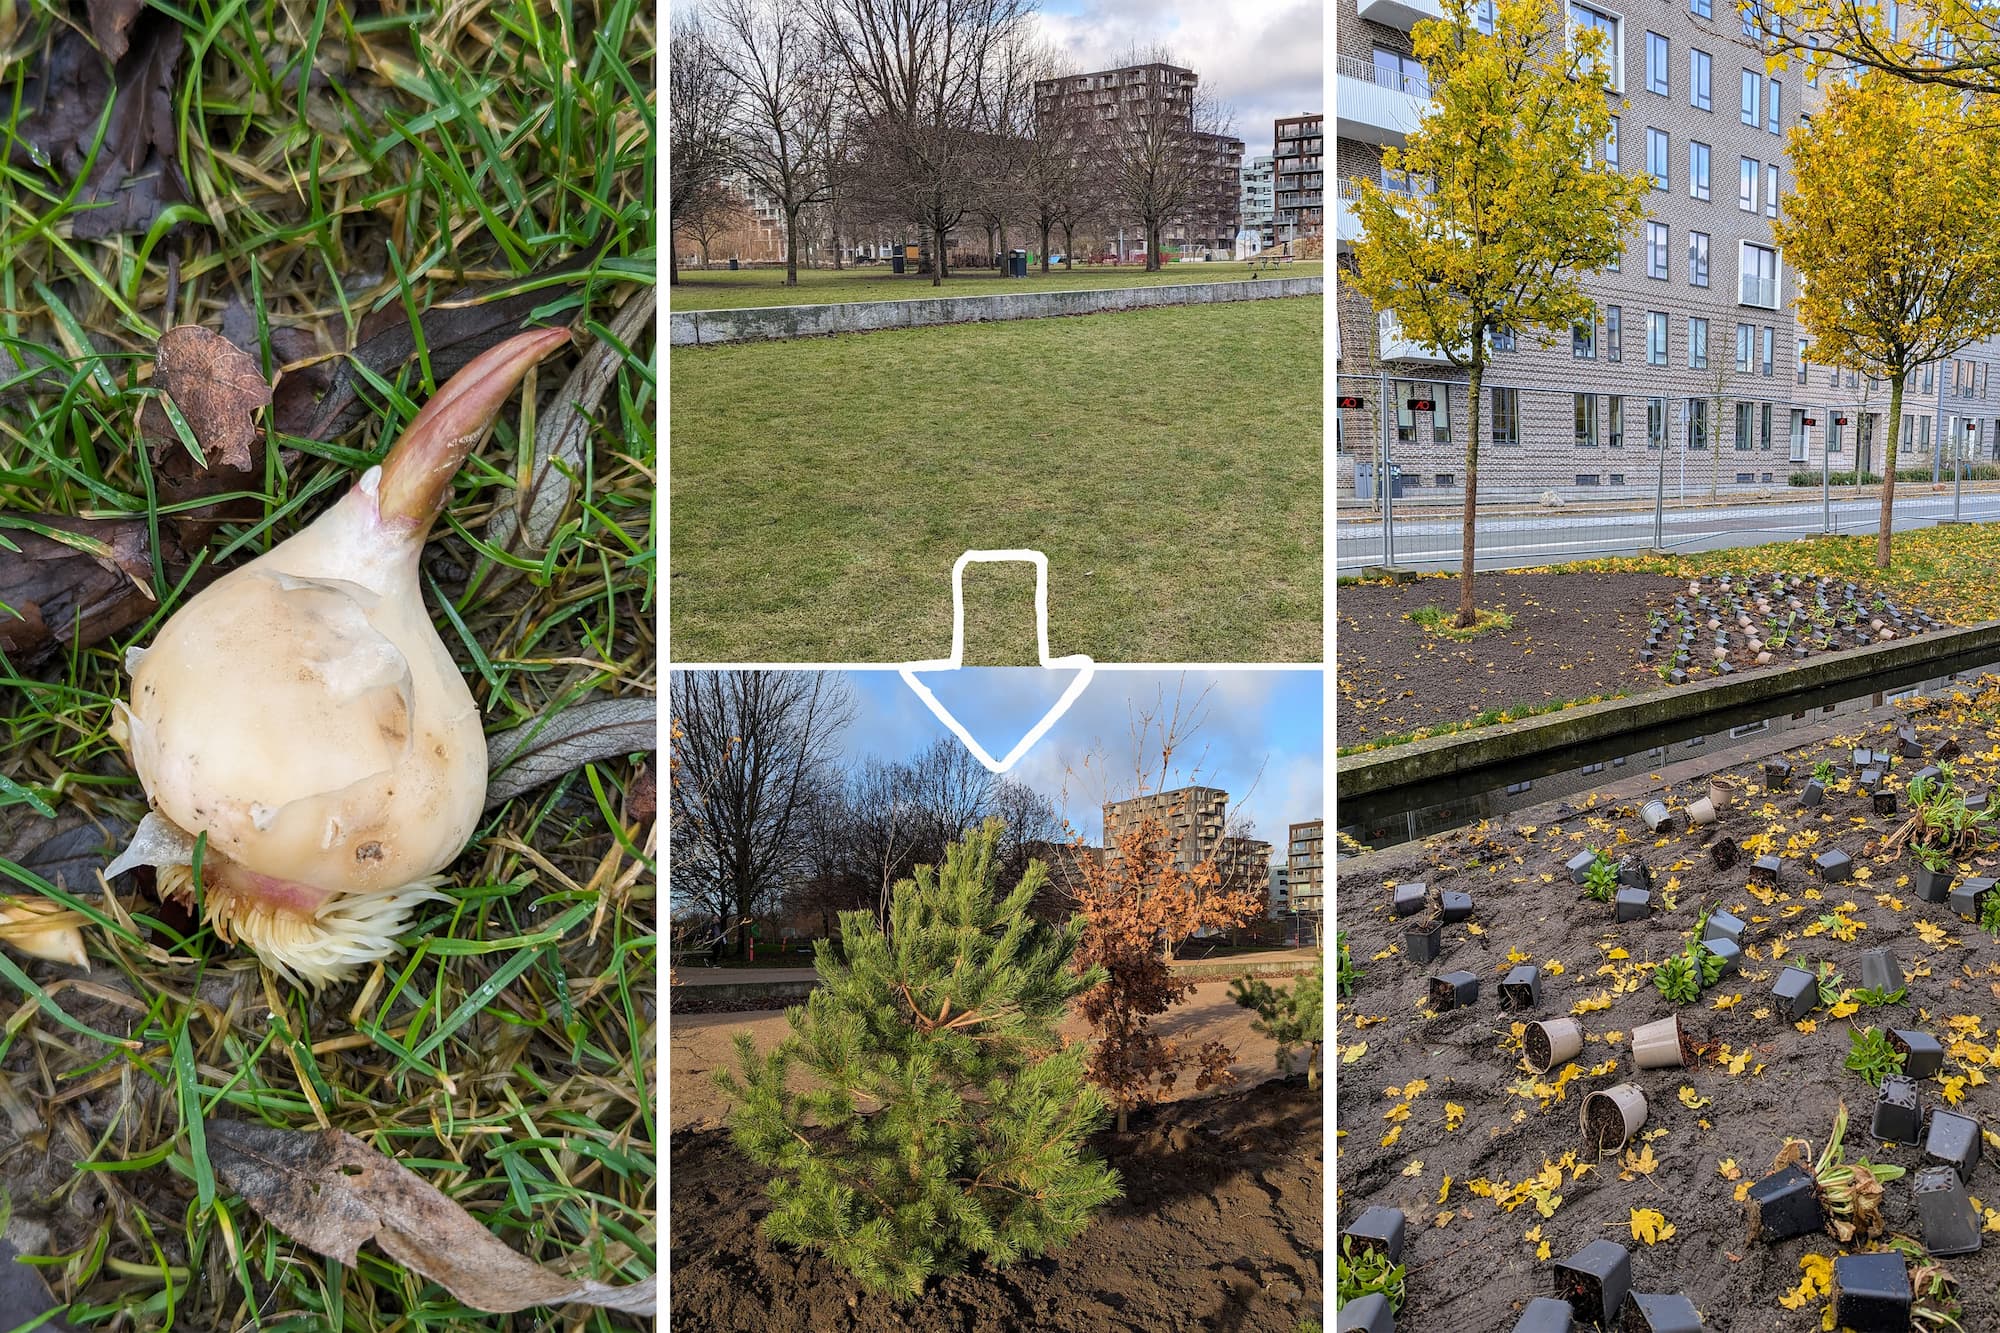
point(1195, 820)
point(1306, 867)
point(1299, 192)
point(1694, 349)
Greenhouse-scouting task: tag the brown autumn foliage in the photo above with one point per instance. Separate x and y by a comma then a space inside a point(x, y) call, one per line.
point(1133, 910)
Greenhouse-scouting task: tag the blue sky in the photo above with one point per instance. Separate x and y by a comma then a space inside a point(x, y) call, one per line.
point(1262, 58)
point(1259, 733)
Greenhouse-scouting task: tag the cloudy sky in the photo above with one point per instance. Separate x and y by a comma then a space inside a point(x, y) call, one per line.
point(1262, 58)
point(1255, 734)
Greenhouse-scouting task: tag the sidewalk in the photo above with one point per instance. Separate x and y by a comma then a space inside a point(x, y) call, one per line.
point(1359, 513)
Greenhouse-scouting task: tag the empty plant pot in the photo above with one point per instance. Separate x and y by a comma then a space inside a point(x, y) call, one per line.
point(1635, 874)
point(1424, 941)
point(1410, 898)
point(1721, 792)
point(1929, 771)
point(1953, 1140)
point(1812, 794)
point(1658, 1045)
point(1552, 1042)
point(1784, 1204)
point(1580, 864)
point(1946, 749)
point(1594, 1281)
point(1933, 886)
point(1777, 774)
point(1899, 1114)
point(1723, 926)
point(1723, 852)
point(1655, 816)
point(1969, 898)
point(1868, 779)
point(1976, 802)
point(1834, 865)
point(1885, 801)
point(1546, 1314)
point(1454, 990)
point(1670, 1313)
point(1871, 1292)
point(1701, 811)
point(1951, 1223)
point(1880, 971)
point(1367, 1314)
point(1613, 1115)
point(1766, 869)
point(1863, 758)
point(1795, 992)
point(1922, 1053)
point(1633, 904)
point(1521, 989)
point(1729, 951)
point(1908, 744)
point(1454, 906)
point(1378, 1229)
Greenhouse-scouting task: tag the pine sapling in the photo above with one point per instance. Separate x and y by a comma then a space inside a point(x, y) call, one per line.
point(1291, 1018)
point(949, 1116)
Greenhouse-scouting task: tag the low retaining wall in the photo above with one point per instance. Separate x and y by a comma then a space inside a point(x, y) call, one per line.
point(703, 328)
point(782, 993)
point(1430, 760)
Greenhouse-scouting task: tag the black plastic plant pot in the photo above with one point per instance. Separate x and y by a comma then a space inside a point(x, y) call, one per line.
point(1796, 991)
point(1922, 1054)
point(1521, 988)
point(1655, 816)
point(1812, 794)
point(1454, 906)
point(1933, 886)
point(1782, 1205)
point(1595, 1280)
point(1551, 1042)
point(1410, 898)
point(1953, 1140)
point(1969, 898)
point(1862, 759)
point(1871, 1292)
point(1367, 1314)
point(1723, 852)
point(1931, 771)
point(1834, 865)
point(1723, 925)
point(1976, 802)
point(1868, 779)
point(1899, 1114)
point(1777, 773)
point(1633, 904)
point(1424, 941)
point(1580, 864)
point(1885, 801)
point(1880, 971)
point(1635, 874)
point(1766, 869)
point(1946, 749)
point(1546, 1314)
point(1671, 1313)
point(1907, 743)
point(1729, 951)
point(1951, 1223)
point(1454, 990)
point(1380, 1230)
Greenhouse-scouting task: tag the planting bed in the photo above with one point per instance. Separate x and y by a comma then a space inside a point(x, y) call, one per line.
point(1441, 1117)
point(1220, 1229)
point(1585, 635)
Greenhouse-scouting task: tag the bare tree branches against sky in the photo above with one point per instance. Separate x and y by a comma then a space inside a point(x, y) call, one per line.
point(1262, 58)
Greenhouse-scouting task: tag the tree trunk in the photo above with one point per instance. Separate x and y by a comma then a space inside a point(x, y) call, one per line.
point(1889, 470)
point(1467, 617)
point(836, 247)
point(1045, 248)
point(1152, 245)
point(1069, 247)
point(792, 247)
point(673, 260)
point(937, 256)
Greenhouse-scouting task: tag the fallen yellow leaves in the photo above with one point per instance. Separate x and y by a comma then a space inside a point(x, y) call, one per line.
point(1601, 1000)
point(1454, 1116)
point(1349, 1054)
point(1728, 1170)
point(1691, 1099)
point(1815, 1281)
point(1650, 1227)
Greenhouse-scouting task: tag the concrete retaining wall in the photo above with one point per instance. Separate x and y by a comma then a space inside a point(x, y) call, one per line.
point(783, 993)
point(702, 328)
point(1430, 760)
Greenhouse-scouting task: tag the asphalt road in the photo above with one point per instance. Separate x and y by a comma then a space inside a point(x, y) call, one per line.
point(1517, 541)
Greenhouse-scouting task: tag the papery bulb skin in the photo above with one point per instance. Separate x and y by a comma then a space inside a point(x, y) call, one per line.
point(304, 713)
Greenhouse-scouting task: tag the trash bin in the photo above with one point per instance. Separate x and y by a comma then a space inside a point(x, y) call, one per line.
point(1017, 263)
point(895, 263)
point(732, 266)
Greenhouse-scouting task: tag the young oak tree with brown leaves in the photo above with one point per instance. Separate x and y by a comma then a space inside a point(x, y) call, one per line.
point(1133, 908)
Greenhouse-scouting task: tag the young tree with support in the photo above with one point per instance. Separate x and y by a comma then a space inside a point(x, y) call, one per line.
point(1890, 228)
point(1513, 204)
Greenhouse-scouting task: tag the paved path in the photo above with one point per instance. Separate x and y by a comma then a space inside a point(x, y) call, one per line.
point(693, 974)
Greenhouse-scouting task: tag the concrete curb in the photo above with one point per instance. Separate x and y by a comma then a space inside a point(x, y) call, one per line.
point(782, 993)
point(1430, 760)
point(704, 328)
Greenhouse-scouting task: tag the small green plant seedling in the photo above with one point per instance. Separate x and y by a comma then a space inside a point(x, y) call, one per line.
point(1989, 914)
point(1678, 979)
point(1600, 882)
point(1870, 1055)
point(1348, 978)
point(1823, 773)
point(1363, 1270)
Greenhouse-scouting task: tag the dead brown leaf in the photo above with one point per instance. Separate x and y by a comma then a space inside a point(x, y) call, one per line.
point(110, 24)
point(330, 1192)
point(217, 388)
point(75, 582)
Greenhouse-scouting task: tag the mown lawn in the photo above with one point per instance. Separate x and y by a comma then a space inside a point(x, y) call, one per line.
point(1167, 462)
point(718, 289)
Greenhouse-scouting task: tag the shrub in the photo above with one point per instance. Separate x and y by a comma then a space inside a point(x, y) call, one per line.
point(1288, 1017)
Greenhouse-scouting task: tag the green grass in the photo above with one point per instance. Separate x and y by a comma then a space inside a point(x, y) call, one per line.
point(1166, 461)
point(508, 1055)
point(719, 289)
point(1444, 623)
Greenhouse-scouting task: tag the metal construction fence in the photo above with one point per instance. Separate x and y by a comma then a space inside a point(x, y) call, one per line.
point(1570, 473)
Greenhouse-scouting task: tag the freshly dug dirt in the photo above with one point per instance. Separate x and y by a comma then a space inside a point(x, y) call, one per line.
point(1713, 1128)
point(1219, 1231)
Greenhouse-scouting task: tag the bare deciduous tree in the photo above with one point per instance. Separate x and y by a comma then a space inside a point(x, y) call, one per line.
point(700, 103)
point(1160, 149)
point(782, 73)
point(1057, 174)
point(716, 210)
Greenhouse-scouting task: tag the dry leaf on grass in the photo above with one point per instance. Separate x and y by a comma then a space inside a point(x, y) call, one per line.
point(218, 389)
point(330, 1192)
point(526, 756)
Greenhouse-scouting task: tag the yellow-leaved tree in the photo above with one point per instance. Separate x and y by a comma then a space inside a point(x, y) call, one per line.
point(1955, 43)
point(1512, 202)
point(1891, 228)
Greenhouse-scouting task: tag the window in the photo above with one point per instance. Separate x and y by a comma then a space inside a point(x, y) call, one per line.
point(1656, 250)
point(1744, 414)
point(1766, 345)
point(1702, 8)
point(1656, 157)
point(1613, 56)
point(1698, 259)
point(1614, 333)
point(1746, 340)
point(1757, 275)
point(1771, 117)
point(1506, 416)
point(1614, 421)
point(1656, 338)
point(1401, 73)
point(1697, 170)
point(1586, 420)
point(1798, 435)
point(1502, 340)
point(1832, 434)
point(1583, 340)
point(1656, 63)
point(1697, 344)
point(1802, 361)
point(1656, 422)
point(1611, 144)
point(1701, 80)
point(1924, 434)
point(1697, 423)
point(1484, 16)
point(1764, 432)
point(1770, 189)
point(1746, 184)
point(1930, 378)
point(1752, 85)
point(1909, 435)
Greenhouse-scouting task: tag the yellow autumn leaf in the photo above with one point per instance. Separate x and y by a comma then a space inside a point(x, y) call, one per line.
point(1807, 1025)
point(1389, 1139)
point(1442, 1218)
point(1691, 1099)
point(1650, 1227)
point(1728, 1001)
point(1843, 1008)
point(1454, 1116)
point(1728, 1170)
point(1415, 1168)
point(1354, 1052)
point(1444, 1190)
point(1815, 1281)
point(1954, 1089)
point(1601, 1000)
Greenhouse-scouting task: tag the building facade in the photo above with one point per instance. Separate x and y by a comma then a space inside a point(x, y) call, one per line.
point(1195, 821)
point(1694, 378)
point(1299, 188)
point(1306, 867)
point(1256, 205)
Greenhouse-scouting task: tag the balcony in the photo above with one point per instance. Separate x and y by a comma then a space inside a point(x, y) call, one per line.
point(1395, 347)
point(1758, 291)
point(1346, 217)
point(1403, 14)
point(1378, 106)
